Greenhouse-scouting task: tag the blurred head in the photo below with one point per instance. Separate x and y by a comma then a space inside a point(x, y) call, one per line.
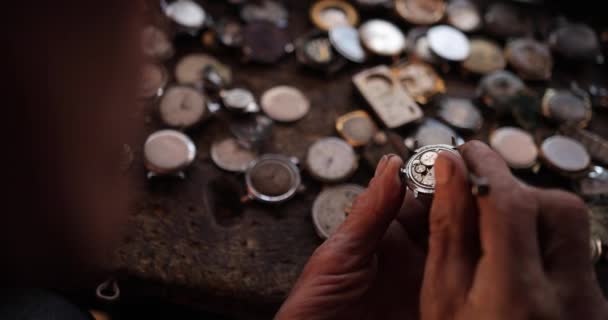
point(71, 80)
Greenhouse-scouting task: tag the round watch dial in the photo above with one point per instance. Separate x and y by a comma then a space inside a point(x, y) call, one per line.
point(516, 147)
point(449, 43)
point(186, 13)
point(420, 12)
point(229, 155)
point(486, 57)
point(191, 68)
point(331, 207)
point(346, 41)
point(567, 107)
point(419, 171)
point(460, 113)
point(331, 160)
point(329, 14)
point(153, 80)
point(156, 44)
point(357, 128)
point(285, 104)
point(464, 15)
point(530, 58)
point(168, 151)
point(566, 155)
point(272, 178)
point(382, 37)
point(182, 107)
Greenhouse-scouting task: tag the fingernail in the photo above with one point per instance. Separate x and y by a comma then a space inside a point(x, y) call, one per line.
point(444, 168)
point(381, 165)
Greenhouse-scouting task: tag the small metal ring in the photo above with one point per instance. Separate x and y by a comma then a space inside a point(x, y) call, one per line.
point(110, 285)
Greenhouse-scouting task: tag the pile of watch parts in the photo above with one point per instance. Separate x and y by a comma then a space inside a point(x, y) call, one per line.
point(407, 45)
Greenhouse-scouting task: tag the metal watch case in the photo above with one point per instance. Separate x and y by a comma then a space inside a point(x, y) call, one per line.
point(418, 173)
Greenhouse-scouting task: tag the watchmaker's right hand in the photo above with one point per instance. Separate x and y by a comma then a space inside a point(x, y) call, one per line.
point(515, 253)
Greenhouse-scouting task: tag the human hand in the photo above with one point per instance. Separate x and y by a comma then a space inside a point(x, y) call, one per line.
point(517, 253)
point(370, 268)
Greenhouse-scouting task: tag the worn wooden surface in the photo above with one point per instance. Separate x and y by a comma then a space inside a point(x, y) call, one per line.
point(192, 242)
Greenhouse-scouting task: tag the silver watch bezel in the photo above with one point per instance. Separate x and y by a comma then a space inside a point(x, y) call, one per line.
point(406, 170)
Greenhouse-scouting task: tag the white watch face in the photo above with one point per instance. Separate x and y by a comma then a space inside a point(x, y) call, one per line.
point(449, 43)
point(382, 37)
point(331, 159)
point(419, 172)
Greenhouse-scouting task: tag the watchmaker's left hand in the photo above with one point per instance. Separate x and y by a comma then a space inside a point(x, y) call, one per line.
point(370, 268)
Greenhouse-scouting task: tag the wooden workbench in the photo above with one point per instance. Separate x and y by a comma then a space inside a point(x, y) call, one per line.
point(192, 242)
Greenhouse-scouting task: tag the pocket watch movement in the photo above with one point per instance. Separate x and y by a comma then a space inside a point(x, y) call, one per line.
point(531, 59)
point(272, 178)
point(168, 152)
point(448, 43)
point(331, 160)
point(285, 104)
point(460, 113)
point(239, 100)
point(566, 156)
point(567, 107)
point(356, 127)
point(516, 147)
point(420, 12)
point(389, 100)
point(264, 42)
point(328, 14)
point(486, 57)
point(382, 38)
point(463, 15)
point(182, 107)
point(331, 207)
point(228, 154)
point(420, 80)
point(419, 171)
